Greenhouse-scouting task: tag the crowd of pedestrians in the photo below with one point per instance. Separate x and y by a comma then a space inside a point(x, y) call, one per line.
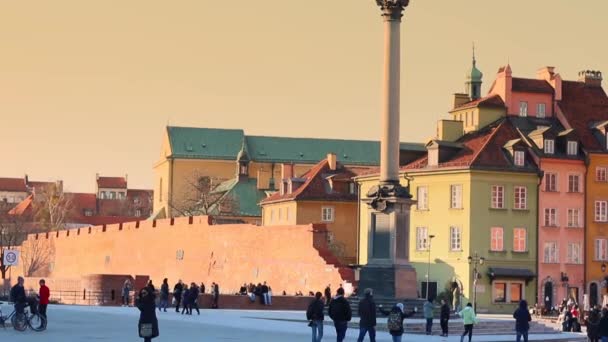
point(263, 291)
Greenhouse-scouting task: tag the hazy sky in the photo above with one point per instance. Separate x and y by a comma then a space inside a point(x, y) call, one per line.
point(88, 86)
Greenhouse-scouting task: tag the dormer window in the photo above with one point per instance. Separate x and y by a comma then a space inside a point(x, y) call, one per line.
point(549, 146)
point(572, 148)
point(243, 169)
point(523, 108)
point(519, 158)
point(88, 212)
point(540, 110)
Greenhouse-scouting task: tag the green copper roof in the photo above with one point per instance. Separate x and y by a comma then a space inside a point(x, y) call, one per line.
point(246, 195)
point(208, 143)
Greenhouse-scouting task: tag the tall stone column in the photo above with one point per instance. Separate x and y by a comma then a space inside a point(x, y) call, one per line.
point(388, 270)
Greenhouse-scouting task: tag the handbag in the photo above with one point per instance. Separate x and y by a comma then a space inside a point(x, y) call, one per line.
point(145, 330)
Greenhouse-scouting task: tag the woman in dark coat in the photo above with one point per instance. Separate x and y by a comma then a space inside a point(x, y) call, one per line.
point(147, 317)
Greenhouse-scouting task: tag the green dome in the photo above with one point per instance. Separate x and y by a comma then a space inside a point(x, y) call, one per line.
point(474, 74)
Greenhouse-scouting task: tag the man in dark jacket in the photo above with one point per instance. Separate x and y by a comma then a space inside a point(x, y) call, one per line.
point(177, 294)
point(444, 317)
point(315, 316)
point(367, 312)
point(164, 295)
point(18, 295)
point(194, 291)
point(264, 290)
point(522, 321)
point(327, 295)
point(340, 313)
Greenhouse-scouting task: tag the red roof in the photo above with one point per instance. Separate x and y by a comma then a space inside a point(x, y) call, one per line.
point(23, 206)
point(528, 85)
point(487, 101)
point(112, 182)
point(13, 184)
point(583, 106)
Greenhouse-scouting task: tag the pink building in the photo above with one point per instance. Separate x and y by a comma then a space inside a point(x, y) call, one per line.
point(531, 105)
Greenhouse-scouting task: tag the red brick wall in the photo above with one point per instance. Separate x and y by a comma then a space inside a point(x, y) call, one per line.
point(289, 258)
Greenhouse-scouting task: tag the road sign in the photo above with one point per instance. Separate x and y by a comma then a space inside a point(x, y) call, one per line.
point(11, 257)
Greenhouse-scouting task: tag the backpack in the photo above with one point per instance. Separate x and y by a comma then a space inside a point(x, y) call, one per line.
point(394, 322)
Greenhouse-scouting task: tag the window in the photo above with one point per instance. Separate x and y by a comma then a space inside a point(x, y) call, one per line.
point(523, 108)
point(515, 292)
point(600, 211)
point(575, 255)
point(549, 146)
point(574, 218)
point(456, 198)
point(287, 213)
point(496, 244)
point(352, 188)
point(572, 148)
point(551, 253)
point(455, 239)
point(519, 158)
point(601, 249)
point(498, 196)
point(136, 200)
point(88, 212)
point(422, 238)
point(519, 240)
point(574, 183)
point(520, 197)
point(550, 217)
point(121, 195)
point(102, 195)
point(327, 214)
point(112, 195)
point(500, 291)
point(540, 111)
point(423, 198)
point(600, 174)
point(137, 212)
point(550, 182)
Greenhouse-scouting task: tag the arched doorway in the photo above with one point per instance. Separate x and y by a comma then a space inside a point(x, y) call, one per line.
point(593, 294)
point(548, 295)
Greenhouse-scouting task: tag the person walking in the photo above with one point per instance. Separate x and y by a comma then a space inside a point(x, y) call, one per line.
point(216, 296)
point(126, 289)
point(315, 317)
point(164, 295)
point(151, 287)
point(148, 323)
point(444, 318)
point(177, 294)
point(341, 314)
point(193, 301)
point(186, 300)
point(367, 313)
point(394, 322)
point(327, 293)
point(593, 325)
point(44, 295)
point(522, 321)
point(603, 331)
point(428, 315)
point(469, 319)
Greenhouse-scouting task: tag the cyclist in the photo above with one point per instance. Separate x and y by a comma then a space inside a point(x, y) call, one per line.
point(18, 296)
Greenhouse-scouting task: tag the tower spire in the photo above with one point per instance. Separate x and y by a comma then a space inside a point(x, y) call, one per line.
point(474, 61)
point(473, 78)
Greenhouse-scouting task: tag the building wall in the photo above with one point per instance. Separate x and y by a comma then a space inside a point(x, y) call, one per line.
point(561, 200)
point(596, 191)
point(290, 258)
point(533, 99)
point(12, 196)
point(282, 213)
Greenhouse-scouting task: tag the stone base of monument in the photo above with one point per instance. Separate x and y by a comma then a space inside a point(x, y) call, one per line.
point(390, 281)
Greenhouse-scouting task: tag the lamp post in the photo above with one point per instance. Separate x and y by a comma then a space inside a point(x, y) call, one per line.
point(604, 282)
point(428, 268)
point(475, 260)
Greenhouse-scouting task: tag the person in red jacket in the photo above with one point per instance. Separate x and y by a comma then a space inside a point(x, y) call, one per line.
point(44, 294)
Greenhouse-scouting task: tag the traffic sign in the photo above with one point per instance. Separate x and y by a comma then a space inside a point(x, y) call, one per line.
point(11, 257)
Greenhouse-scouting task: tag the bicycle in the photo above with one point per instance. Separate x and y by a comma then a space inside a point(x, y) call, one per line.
point(20, 322)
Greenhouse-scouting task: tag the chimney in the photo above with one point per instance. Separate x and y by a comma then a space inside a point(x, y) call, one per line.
point(592, 78)
point(286, 171)
point(555, 80)
point(27, 179)
point(331, 160)
point(545, 73)
point(59, 185)
point(126, 177)
point(460, 99)
point(449, 130)
point(263, 180)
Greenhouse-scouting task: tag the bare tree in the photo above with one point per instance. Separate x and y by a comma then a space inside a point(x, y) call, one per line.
point(52, 207)
point(36, 256)
point(13, 230)
point(204, 195)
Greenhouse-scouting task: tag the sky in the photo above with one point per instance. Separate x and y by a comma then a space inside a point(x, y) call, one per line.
point(88, 87)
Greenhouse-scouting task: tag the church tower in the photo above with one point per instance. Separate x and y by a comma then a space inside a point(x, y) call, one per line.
point(473, 83)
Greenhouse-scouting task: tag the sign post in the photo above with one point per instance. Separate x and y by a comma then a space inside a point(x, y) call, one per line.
point(11, 257)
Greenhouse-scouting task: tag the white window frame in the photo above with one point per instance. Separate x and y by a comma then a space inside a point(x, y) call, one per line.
point(570, 182)
point(508, 283)
point(572, 148)
point(137, 212)
point(516, 239)
point(601, 211)
point(600, 174)
point(422, 197)
point(523, 108)
point(519, 158)
point(498, 197)
point(549, 147)
point(550, 218)
point(601, 249)
point(456, 196)
point(574, 218)
point(327, 214)
point(422, 235)
point(551, 182)
point(497, 238)
point(575, 253)
point(551, 252)
point(352, 188)
point(541, 110)
point(455, 239)
point(520, 198)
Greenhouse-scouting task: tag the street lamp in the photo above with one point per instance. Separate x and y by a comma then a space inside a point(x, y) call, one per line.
point(475, 260)
point(428, 269)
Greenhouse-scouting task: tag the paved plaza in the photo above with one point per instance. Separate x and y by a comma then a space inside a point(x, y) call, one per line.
point(84, 323)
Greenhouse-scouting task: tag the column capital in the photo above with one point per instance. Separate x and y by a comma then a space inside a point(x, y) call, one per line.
point(392, 9)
